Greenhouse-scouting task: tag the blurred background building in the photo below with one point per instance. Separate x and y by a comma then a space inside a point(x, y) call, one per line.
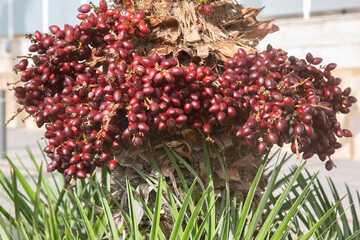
point(328, 28)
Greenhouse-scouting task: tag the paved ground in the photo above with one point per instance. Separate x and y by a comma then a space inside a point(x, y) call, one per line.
point(17, 142)
point(17, 139)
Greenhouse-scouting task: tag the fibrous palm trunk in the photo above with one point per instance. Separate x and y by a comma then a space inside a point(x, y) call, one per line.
point(180, 31)
point(242, 163)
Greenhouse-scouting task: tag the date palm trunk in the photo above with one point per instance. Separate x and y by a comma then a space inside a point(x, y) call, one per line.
point(181, 31)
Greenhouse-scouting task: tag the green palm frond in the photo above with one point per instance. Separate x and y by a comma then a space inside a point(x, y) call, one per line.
point(342, 223)
point(45, 208)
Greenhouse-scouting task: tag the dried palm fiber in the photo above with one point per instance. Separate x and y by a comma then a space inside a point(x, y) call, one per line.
point(180, 31)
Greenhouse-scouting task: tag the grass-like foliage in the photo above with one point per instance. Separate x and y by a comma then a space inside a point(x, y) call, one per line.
point(45, 208)
point(341, 224)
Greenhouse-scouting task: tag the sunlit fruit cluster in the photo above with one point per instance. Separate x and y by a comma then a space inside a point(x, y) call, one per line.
point(290, 100)
point(96, 95)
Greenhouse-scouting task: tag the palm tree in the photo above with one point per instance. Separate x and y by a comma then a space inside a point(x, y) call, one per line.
point(205, 34)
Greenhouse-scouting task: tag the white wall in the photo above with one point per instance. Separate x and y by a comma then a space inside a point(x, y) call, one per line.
point(336, 38)
point(280, 8)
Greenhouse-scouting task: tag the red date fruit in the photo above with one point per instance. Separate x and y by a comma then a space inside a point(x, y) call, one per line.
point(262, 146)
point(112, 165)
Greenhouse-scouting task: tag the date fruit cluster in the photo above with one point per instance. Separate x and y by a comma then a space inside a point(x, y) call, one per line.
point(292, 101)
point(96, 95)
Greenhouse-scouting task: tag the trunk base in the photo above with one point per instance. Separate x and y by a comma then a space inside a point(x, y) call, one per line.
point(242, 164)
